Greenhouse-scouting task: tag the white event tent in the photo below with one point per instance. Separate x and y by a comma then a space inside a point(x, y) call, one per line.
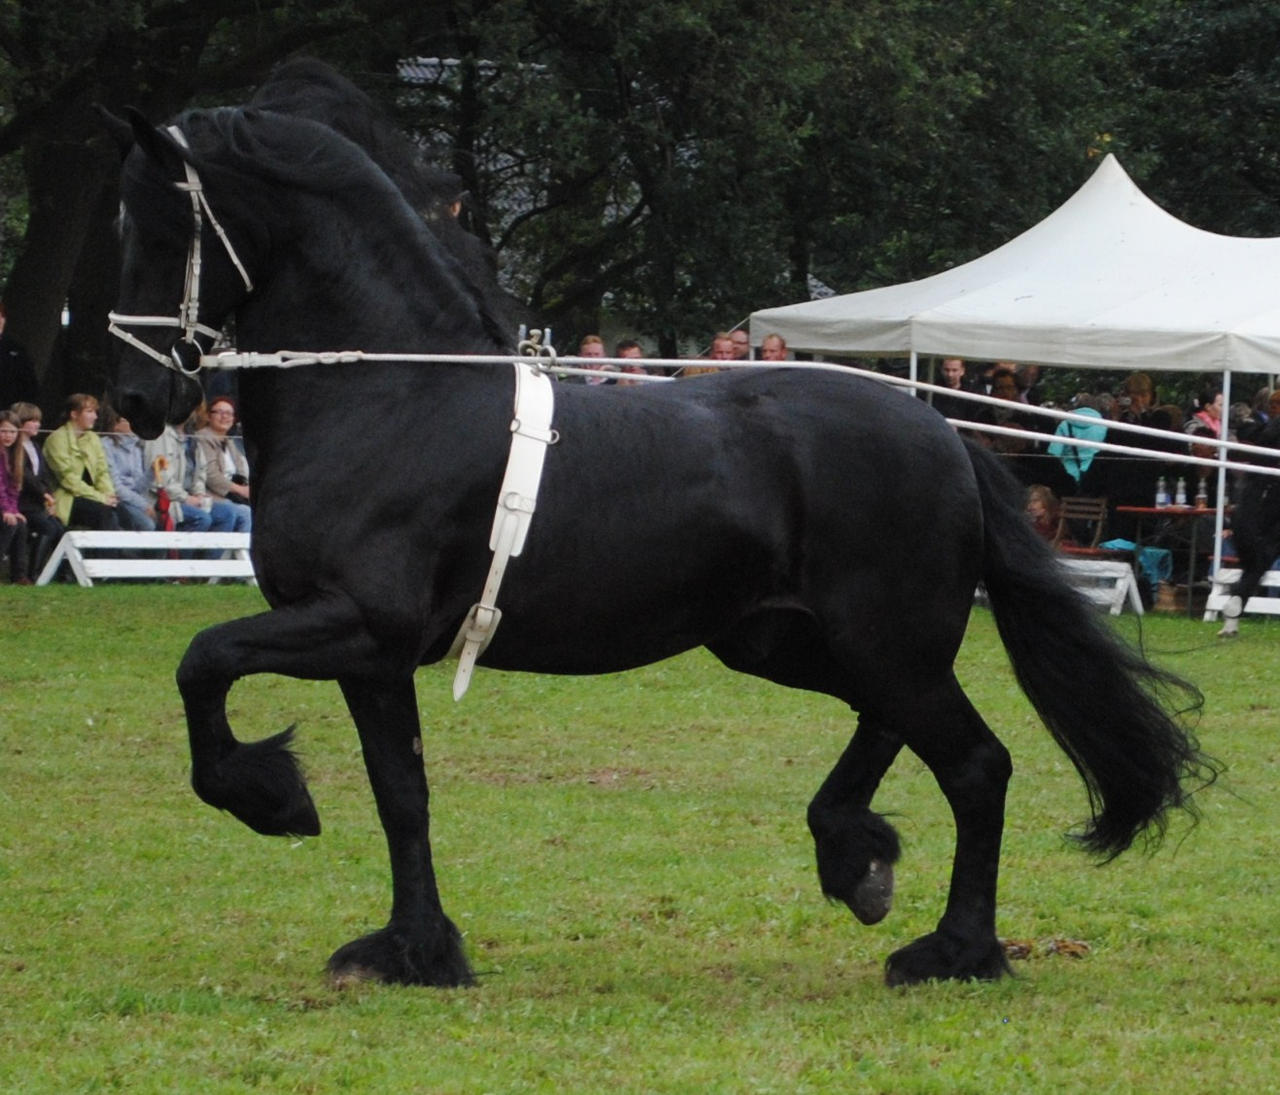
point(1109, 280)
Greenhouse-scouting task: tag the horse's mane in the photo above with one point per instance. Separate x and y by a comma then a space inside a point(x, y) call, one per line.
point(335, 142)
point(308, 88)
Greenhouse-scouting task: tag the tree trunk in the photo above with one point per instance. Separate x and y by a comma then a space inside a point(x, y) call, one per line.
point(62, 205)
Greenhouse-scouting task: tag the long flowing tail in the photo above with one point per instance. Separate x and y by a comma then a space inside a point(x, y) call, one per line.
point(1119, 718)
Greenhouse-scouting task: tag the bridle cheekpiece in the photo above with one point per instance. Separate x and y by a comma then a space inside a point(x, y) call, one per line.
point(185, 354)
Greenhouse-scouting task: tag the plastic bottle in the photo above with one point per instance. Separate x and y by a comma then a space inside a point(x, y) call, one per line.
point(1180, 493)
point(1202, 494)
point(1162, 493)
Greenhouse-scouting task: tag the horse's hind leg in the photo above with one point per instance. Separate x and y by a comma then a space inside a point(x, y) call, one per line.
point(856, 848)
point(260, 782)
point(972, 769)
point(419, 945)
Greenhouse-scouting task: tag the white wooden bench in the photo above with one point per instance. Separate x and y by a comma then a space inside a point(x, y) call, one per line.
point(1107, 582)
point(152, 560)
point(1220, 592)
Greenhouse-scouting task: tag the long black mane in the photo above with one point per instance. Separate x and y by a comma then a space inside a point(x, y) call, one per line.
point(308, 88)
point(234, 150)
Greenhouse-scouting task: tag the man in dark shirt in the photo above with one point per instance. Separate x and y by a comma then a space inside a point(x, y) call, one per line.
point(17, 376)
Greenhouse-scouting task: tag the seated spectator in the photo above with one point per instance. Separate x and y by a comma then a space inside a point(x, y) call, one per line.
point(222, 466)
point(13, 526)
point(189, 507)
point(741, 344)
point(773, 348)
point(136, 510)
point(36, 502)
point(85, 493)
point(1044, 509)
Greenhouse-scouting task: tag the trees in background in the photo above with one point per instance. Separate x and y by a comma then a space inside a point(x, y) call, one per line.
point(673, 164)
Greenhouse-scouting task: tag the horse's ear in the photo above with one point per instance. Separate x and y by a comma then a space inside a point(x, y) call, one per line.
point(120, 130)
point(156, 143)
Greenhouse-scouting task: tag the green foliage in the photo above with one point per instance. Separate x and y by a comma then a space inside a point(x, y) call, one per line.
point(674, 165)
point(628, 861)
point(1203, 120)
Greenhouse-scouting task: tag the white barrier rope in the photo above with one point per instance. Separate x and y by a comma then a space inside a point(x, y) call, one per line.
point(591, 367)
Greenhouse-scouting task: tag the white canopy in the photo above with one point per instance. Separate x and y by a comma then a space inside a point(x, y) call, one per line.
point(1109, 280)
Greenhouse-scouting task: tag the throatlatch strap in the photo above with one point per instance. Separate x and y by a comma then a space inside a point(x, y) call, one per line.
point(531, 433)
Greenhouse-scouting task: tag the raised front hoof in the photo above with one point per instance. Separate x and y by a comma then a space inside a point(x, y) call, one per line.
point(260, 783)
point(397, 958)
point(873, 896)
point(856, 852)
point(938, 957)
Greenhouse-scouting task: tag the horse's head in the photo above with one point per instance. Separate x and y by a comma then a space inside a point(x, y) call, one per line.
point(182, 275)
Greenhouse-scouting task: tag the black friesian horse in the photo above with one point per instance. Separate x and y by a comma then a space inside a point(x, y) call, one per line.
point(818, 530)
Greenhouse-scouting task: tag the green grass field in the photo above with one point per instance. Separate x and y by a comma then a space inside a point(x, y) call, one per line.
point(628, 860)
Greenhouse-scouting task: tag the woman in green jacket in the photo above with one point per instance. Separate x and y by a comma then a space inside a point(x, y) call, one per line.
point(85, 496)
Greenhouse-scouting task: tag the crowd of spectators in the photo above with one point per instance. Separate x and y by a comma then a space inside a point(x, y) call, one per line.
point(734, 345)
point(94, 472)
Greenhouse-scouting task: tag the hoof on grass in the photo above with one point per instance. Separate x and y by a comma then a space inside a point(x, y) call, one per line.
point(939, 957)
point(397, 957)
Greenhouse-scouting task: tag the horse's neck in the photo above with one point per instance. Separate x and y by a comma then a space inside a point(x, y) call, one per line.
point(352, 282)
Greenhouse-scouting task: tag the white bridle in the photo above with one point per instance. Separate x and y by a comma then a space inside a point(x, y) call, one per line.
point(188, 318)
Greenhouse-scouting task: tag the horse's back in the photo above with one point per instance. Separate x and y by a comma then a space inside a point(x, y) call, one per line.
point(671, 514)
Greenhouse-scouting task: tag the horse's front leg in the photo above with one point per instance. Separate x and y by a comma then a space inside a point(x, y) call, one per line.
point(419, 945)
point(260, 782)
point(856, 848)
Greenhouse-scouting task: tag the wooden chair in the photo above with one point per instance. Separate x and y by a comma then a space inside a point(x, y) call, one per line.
point(1081, 522)
point(1103, 575)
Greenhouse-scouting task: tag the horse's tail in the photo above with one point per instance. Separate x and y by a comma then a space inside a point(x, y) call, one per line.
point(1116, 716)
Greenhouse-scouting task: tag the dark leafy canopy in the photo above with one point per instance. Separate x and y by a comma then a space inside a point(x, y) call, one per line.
point(668, 164)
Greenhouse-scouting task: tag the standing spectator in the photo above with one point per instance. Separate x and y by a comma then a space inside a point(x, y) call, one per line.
point(741, 344)
point(1004, 385)
point(223, 467)
point(85, 494)
point(1028, 377)
point(13, 526)
point(36, 502)
point(1141, 394)
point(17, 375)
point(593, 346)
point(773, 348)
point(1209, 414)
point(721, 350)
point(950, 406)
point(136, 510)
point(630, 349)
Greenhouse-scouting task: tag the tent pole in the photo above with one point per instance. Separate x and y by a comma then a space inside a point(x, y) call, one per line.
point(913, 371)
point(1220, 518)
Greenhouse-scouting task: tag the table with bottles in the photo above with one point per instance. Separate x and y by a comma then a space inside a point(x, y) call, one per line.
point(1174, 524)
